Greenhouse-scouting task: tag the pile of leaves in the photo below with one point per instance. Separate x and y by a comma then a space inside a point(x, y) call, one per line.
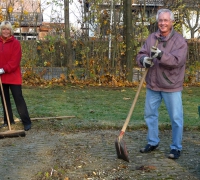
point(31, 78)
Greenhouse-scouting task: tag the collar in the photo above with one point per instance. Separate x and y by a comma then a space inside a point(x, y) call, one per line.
point(164, 39)
point(5, 39)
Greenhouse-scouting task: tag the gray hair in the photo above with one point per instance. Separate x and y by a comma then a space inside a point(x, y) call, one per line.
point(6, 24)
point(165, 11)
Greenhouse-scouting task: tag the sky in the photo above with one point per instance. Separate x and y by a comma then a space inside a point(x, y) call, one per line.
point(55, 10)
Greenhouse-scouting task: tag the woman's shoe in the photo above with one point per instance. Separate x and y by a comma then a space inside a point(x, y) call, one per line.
point(5, 124)
point(27, 127)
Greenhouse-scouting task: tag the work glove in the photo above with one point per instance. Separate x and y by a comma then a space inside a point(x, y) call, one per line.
point(146, 62)
point(156, 53)
point(2, 71)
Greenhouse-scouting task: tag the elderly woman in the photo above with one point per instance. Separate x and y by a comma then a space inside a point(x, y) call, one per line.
point(10, 57)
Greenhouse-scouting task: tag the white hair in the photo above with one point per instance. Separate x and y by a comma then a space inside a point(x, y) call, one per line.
point(6, 24)
point(160, 11)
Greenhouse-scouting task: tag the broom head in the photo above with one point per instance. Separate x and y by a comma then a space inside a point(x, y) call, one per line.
point(121, 149)
point(12, 133)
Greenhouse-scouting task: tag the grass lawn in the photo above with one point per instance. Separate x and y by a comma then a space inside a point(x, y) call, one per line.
point(100, 107)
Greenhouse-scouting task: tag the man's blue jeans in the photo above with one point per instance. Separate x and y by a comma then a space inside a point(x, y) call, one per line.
point(173, 103)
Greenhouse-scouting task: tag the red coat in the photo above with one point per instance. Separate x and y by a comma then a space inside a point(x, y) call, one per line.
point(10, 57)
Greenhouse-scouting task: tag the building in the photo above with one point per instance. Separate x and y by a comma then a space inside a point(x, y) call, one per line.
point(150, 7)
point(27, 18)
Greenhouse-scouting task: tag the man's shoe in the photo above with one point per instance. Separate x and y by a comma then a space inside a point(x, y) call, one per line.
point(27, 127)
point(174, 154)
point(148, 148)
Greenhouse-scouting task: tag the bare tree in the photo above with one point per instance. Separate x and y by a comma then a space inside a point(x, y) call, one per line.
point(187, 12)
point(191, 13)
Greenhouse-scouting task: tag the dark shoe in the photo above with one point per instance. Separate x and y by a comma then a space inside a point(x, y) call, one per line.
point(27, 127)
point(148, 148)
point(174, 154)
point(5, 124)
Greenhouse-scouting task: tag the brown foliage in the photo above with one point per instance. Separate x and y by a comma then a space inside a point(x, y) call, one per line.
point(30, 78)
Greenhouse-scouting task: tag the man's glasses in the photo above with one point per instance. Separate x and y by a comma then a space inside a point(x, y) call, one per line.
point(163, 20)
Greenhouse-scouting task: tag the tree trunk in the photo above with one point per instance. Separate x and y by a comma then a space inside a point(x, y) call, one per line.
point(123, 61)
point(68, 55)
point(129, 40)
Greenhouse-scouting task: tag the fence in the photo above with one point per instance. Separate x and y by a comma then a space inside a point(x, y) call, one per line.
point(90, 56)
point(47, 73)
point(56, 53)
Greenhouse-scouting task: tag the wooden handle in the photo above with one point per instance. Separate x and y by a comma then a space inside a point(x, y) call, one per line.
point(134, 102)
point(5, 105)
point(45, 118)
point(156, 44)
point(135, 99)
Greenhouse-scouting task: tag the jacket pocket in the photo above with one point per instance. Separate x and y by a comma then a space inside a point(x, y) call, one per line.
point(167, 78)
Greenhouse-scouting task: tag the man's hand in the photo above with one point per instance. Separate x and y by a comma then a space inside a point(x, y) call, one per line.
point(146, 62)
point(156, 53)
point(2, 71)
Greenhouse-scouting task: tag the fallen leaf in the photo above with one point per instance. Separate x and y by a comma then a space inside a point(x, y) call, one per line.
point(146, 168)
point(126, 98)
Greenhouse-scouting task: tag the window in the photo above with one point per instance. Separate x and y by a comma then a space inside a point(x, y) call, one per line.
point(19, 37)
point(31, 38)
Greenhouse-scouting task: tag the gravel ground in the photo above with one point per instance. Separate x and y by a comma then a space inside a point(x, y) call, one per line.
point(48, 154)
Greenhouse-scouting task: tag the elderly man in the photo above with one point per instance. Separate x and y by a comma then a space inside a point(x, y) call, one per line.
point(164, 53)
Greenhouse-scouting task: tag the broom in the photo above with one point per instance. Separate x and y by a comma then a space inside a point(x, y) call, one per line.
point(9, 133)
point(120, 144)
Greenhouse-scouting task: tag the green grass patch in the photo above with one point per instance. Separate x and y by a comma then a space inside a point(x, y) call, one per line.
point(100, 107)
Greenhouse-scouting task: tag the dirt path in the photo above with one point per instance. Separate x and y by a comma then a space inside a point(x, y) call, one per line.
point(91, 155)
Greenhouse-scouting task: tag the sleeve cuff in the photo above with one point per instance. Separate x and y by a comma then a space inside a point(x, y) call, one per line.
point(141, 60)
point(160, 55)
